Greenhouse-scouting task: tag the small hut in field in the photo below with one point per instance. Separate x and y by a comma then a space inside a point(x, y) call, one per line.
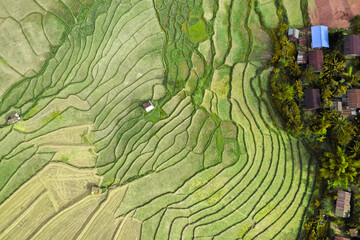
point(148, 106)
point(96, 191)
point(13, 118)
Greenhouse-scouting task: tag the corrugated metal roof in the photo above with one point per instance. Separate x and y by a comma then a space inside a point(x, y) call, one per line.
point(319, 36)
point(316, 59)
point(312, 98)
point(342, 204)
point(352, 45)
point(354, 98)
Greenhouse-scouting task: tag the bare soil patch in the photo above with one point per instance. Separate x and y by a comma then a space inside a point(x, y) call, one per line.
point(333, 13)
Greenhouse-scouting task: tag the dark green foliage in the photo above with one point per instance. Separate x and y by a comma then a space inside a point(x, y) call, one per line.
point(355, 25)
point(336, 38)
point(341, 131)
point(87, 16)
point(339, 168)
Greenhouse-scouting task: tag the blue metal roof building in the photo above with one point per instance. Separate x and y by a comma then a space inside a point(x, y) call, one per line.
point(319, 36)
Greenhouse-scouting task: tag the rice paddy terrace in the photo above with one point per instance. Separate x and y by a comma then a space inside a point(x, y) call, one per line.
point(209, 162)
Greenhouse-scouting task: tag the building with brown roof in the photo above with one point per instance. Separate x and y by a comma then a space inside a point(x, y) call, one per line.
point(354, 98)
point(148, 106)
point(312, 98)
point(352, 45)
point(301, 58)
point(343, 204)
point(316, 59)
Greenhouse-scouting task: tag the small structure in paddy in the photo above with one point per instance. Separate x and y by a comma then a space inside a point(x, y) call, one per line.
point(316, 59)
point(293, 34)
point(96, 191)
point(319, 36)
point(343, 204)
point(352, 45)
point(312, 98)
point(13, 118)
point(148, 106)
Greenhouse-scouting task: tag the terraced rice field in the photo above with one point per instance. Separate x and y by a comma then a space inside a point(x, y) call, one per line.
point(210, 162)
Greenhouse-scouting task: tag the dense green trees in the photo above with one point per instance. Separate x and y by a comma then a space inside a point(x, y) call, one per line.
point(335, 136)
point(338, 167)
point(355, 25)
point(341, 131)
point(287, 91)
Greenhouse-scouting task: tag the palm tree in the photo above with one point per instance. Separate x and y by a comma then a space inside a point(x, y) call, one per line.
point(333, 64)
point(338, 168)
point(341, 131)
point(355, 149)
point(351, 78)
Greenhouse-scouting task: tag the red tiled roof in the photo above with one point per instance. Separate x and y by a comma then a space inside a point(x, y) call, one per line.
point(352, 45)
point(354, 98)
point(342, 204)
point(312, 98)
point(316, 59)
